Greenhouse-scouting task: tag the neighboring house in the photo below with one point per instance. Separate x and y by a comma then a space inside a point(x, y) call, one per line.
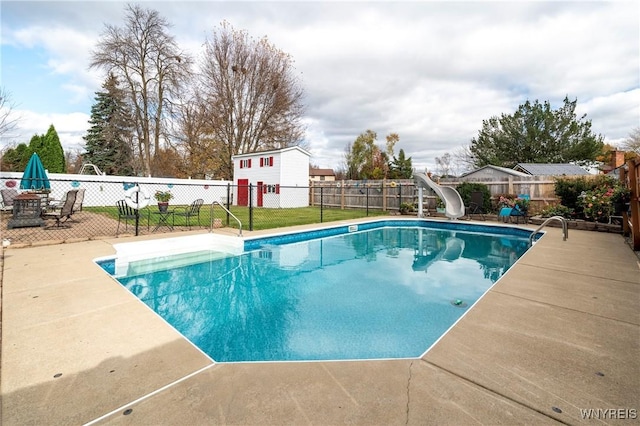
point(491, 172)
point(324, 175)
point(550, 169)
point(533, 179)
point(277, 178)
point(617, 161)
point(525, 170)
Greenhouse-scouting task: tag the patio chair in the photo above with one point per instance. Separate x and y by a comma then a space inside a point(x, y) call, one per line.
point(125, 213)
point(476, 204)
point(7, 199)
point(65, 212)
point(192, 210)
point(77, 207)
point(517, 212)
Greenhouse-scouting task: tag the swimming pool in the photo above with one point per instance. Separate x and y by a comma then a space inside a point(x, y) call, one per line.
point(377, 290)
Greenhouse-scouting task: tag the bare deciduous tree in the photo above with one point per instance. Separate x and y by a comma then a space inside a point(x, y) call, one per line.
point(632, 143)
point(8, 119)
point(252, 98)
point(444, 164)
point(464, 159)
point(148, 60)
point(202, 154)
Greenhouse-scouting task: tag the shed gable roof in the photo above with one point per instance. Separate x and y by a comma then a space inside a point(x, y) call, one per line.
point(290, 148)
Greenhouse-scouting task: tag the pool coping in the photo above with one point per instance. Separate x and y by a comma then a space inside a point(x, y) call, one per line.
point(559, 333)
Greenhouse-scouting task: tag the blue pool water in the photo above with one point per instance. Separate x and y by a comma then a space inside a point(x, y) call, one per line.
point(387, 292)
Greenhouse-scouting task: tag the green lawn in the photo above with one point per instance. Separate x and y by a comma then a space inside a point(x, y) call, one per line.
point(263, 218)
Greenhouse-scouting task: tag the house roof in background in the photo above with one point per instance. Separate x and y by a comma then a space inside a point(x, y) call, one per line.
point(321, 172)
point(498, 168)
point(553, 169)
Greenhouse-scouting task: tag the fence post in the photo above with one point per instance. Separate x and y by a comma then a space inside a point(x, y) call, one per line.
point(634, 173)
point(228, 206)
point(250, 207)
point(384, 195)
point(321, 203)
point(137, 211)
point(367, 200)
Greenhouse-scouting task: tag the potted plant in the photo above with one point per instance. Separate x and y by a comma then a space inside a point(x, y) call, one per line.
point(406, 208)
point(163, 198)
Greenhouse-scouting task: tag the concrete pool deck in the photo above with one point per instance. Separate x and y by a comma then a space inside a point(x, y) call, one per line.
point(560, 333)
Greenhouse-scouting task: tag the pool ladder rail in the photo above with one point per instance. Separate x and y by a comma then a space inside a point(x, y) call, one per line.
point(563, 222)
point(231, 214)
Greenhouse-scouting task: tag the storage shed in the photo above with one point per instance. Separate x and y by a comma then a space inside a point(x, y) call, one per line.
point(274, 179)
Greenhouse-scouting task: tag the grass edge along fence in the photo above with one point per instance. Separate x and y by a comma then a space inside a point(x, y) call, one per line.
point(327, 201)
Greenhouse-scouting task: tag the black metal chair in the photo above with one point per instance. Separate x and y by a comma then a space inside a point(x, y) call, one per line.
point(476, 204)
point(125, 213)
point(517, 213)
point(65, 212)
point(192, 210)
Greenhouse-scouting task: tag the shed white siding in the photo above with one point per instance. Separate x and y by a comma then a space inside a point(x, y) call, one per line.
point(278, 178)
point(294, 179)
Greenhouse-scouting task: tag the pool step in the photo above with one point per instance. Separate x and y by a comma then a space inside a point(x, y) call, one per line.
point(162, 263)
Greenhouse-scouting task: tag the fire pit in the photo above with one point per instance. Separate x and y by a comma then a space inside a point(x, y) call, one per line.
point(26, 211)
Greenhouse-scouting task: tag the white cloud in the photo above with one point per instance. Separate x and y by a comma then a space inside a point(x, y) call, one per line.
point(615, 116)
point(429, 71)
point(70, 128)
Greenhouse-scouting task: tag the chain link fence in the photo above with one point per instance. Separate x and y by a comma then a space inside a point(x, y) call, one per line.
point(105, 207)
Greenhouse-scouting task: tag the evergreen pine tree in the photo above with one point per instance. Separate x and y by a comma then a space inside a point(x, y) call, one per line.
point(54, 160)
point(16, 159)
point(401, 167)
point(107, 140)
point(49, 149)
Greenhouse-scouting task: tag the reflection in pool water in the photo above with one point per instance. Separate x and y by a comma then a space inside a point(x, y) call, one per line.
point(382, 293)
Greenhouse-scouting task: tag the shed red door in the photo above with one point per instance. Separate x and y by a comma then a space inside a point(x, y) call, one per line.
point(243, 192)
point(261, 189)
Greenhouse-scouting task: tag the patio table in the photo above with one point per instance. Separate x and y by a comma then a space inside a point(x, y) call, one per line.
point(163, 219)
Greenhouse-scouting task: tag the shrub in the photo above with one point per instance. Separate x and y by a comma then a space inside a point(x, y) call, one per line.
point(466, 188)
point(558, 210)
point(406, 208)
point(599, 203)
point(621, 194)
point(596, 204)
point(569, 190)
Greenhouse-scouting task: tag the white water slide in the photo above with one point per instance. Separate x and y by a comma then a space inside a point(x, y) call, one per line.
point(454, 206)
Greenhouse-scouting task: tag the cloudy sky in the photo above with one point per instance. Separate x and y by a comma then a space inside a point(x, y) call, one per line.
point(429, 71)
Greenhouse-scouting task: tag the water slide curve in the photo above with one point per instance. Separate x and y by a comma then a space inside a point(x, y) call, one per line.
point(454, 206)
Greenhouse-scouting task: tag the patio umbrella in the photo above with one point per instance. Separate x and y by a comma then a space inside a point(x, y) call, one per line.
point(34, 176)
